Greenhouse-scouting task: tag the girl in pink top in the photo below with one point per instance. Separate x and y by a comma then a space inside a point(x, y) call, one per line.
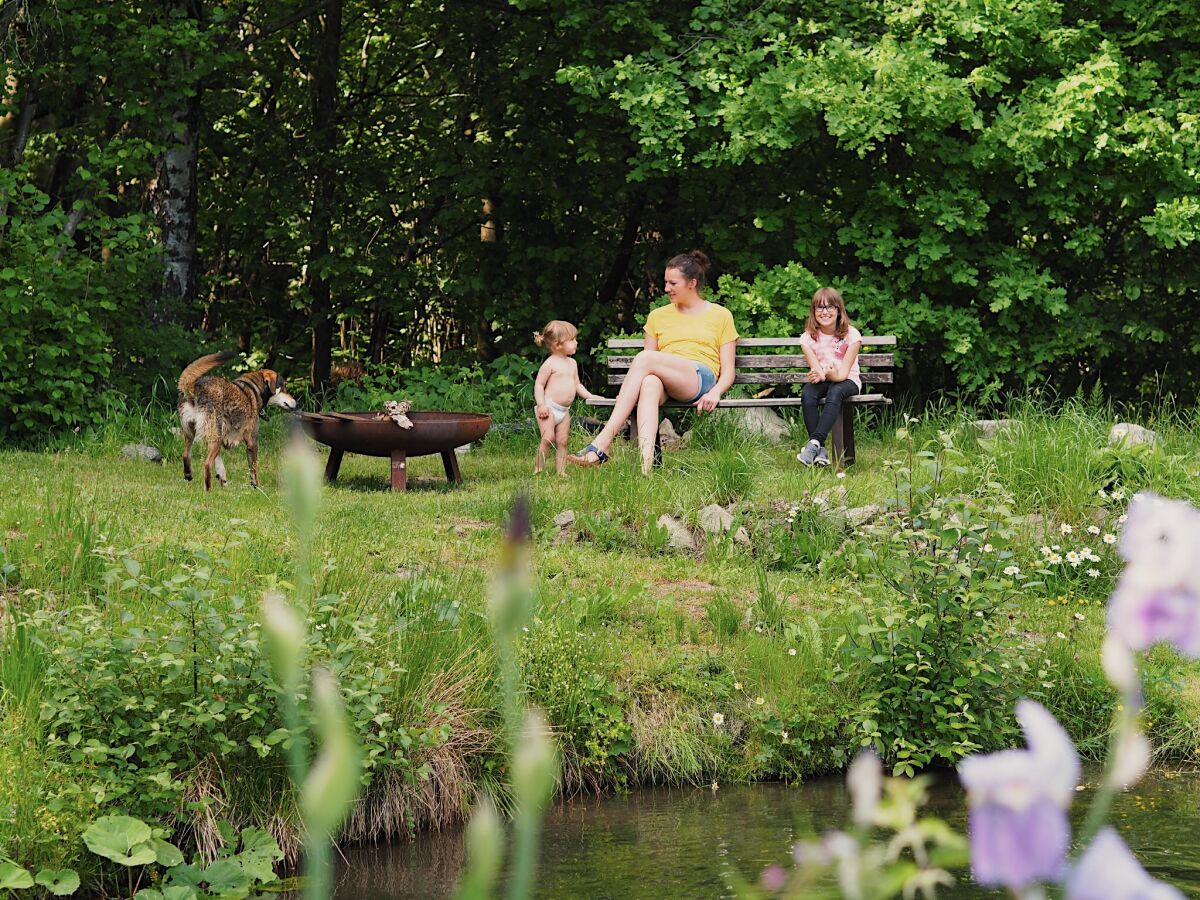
point(830, 343)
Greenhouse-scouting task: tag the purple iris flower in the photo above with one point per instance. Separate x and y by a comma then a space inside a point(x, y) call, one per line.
point(1018, 804)
point(1109, 871)
point(1158, 596)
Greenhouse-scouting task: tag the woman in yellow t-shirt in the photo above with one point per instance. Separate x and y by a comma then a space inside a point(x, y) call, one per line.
point(688, 356)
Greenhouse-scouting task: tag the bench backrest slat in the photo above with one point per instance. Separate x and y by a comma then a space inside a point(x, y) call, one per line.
point(773, 362)
point(780, 378)
point(872, 340)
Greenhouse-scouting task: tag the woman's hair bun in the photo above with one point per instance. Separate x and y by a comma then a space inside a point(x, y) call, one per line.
point(702, 259)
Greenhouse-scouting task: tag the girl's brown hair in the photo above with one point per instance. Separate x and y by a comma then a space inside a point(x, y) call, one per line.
point(555, 333)
point(828, 296)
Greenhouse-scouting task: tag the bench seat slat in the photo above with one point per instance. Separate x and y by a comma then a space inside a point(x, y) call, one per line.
point(773, 362)
point(742, 402)
point(873, 340)
point(780, 378)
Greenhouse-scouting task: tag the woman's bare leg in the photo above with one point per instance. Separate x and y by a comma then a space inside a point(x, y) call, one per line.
point(649, 400)
point(676, 375)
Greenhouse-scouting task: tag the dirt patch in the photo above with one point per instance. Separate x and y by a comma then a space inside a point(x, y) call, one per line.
point(690, 595)
point(464, 527)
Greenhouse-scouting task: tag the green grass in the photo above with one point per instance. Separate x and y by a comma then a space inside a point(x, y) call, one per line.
point(637, 647)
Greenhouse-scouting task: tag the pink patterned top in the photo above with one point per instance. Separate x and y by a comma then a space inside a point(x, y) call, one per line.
point(830, 350)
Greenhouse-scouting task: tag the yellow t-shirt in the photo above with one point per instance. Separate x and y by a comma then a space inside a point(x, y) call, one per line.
point(695, 336)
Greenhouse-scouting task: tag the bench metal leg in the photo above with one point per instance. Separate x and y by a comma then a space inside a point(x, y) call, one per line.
point(843, 436)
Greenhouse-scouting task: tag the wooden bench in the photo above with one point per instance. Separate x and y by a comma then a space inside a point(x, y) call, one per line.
point(789, 368)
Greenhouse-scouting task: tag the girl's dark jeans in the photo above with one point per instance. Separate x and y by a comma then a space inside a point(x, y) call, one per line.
point(833, 393)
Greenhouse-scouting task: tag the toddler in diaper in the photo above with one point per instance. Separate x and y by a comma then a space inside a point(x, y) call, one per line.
point(556, 388)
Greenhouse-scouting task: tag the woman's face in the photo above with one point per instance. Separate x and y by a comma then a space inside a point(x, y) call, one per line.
point(676, 286)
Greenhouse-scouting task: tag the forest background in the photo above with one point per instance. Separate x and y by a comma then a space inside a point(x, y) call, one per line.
point(1010, 186)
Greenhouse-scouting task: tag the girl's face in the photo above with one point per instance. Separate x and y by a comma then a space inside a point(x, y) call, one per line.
point(826, 315)
point(567, 348)
point(677, 287)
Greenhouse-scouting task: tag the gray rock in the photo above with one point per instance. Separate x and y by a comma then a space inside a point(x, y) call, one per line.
point(763, 422)
point(678, 535)
point(1130, 435)
point(465, 448)
point(565, 519)
point(716, 519)
point(861, 515)
point(990, 428)
point(667, 433)
point(142, 451)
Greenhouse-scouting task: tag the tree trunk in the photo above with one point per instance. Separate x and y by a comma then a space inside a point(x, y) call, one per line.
point(175, 206)
point(619, 270)
point(328, 28)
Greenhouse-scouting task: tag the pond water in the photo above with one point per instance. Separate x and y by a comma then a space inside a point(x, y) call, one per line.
point(684, 842)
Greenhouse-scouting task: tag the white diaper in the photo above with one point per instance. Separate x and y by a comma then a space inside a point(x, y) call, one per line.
point(558, 411)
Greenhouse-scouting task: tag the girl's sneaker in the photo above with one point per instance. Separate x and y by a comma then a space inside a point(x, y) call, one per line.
point(808, 455)
point(822, 458)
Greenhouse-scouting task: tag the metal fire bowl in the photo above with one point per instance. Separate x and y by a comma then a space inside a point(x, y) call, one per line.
point(366, 433)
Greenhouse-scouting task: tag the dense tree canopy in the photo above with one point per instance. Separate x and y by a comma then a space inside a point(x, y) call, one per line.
point(1009, 185)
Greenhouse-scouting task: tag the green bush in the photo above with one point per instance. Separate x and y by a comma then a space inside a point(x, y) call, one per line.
point(927, 653)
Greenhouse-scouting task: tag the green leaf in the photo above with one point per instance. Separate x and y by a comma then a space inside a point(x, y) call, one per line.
point(14, 877)
point(165, 853)
point(59, 882)
point(123, 839)
point(226, 876)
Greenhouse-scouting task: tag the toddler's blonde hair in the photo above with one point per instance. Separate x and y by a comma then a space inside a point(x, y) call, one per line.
point(555, 333)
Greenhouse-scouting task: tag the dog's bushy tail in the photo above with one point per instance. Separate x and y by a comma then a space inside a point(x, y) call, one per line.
point(187, 381)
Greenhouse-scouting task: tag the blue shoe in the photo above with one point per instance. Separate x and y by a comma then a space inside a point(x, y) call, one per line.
point(581, 458)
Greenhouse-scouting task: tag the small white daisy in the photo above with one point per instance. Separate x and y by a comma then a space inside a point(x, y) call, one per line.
point(1118, 494)
point(737, 685)
point(987, 548)
point(1046, 551)
point(718, 719)
point(1060, 635)
point(1121, 519)
point(841, 474)
point(1079, 617)
point(1093, 573)
point(791, 651)
point(784, 735)
point(1013, 570)
point(1109, 539)
point(1054, 559)
point(1074, 558)
point(1092, 529)
point(1065, 528)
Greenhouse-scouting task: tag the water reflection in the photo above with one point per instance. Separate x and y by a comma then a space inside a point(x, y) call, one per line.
point(662, 842)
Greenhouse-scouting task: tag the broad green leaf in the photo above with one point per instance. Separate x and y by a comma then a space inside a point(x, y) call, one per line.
point(58, 882)
point(14, 877)
point(123, 839)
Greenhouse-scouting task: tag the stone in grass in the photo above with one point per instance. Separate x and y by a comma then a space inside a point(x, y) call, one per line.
point(763, 422)
point(142, 451)
point(465, 448)
point(991, 428)
point(678, 535)
point(565, 519)
point(1130, 435)
point(717, 520)
point(667, 434)
point(861, 515)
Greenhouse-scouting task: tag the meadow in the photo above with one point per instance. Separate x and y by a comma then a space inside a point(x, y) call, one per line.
point(904, 604)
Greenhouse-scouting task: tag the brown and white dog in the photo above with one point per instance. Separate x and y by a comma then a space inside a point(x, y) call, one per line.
point(225, 413)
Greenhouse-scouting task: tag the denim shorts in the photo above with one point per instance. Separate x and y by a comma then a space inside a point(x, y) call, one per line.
point(708, 378)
